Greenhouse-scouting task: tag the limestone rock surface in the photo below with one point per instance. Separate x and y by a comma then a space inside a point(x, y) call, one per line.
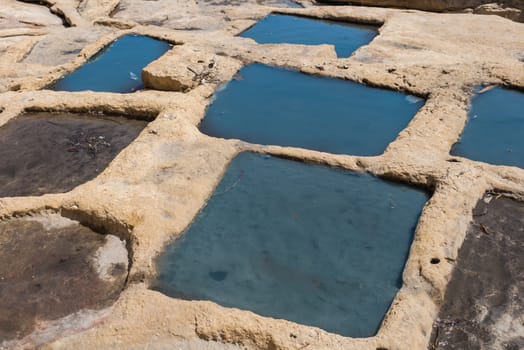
point(512, 9)
point(15, 14)
point(184, 68)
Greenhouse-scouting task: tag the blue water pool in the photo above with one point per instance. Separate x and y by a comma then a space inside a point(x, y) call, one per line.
point(306, 243)
point(277, 29)
point(495, 129)
point(276, 106)
point(117, 68)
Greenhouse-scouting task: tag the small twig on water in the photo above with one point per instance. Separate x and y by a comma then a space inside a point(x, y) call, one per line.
point(232, 185)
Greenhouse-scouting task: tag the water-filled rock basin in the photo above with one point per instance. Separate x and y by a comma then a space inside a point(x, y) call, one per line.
point(494, 132)
point(307, 243)
point(278, 29)
point(116, 68)
point(276, 106)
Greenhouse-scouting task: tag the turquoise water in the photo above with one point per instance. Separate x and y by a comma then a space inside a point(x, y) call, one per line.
point(307, 243)
point(276, 106)
point(279, 29)
point(117, 68)
point(495, 129)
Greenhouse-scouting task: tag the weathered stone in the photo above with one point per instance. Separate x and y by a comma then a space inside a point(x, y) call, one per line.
point(514, 14)
point(184, 68)
point(511, 9)
point(65, 9)
point(93, 9)
point(15, 14)
point(59, 48)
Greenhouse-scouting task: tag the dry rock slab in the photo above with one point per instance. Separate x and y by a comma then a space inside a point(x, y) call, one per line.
point(511, 9)
point(184, 68)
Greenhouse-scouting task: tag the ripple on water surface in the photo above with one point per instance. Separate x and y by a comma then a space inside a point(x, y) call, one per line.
point(306, 243)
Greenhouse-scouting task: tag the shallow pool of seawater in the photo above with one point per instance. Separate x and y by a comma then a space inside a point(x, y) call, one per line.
point(494, 132)
point(307, 243)
point(117, 68)
point(278, 29)
point(276, 106)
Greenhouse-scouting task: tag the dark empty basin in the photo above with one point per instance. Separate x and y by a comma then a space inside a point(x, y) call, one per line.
point(117, 68)
point(269, 105)
point(51, 267)
point(495, 129)
point(484, 303)
point(306, 243)
point(278, 29)
point(55, 152)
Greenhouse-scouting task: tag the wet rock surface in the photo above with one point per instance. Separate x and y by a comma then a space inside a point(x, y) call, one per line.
point(483, 306)
point(54, 152)
point(50, 268)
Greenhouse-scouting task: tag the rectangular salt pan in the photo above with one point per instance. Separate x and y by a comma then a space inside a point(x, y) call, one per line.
point(495, 129)
point(117, 68)
point(55, 152)
point(278, 29)
point(306, 243)
point(275, 106)
point(483, 304)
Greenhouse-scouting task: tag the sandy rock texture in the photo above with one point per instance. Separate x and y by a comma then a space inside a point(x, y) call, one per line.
point(53, 267)
point(153, 189)
point(512, 9)
point(184, 68)
point(16, 14)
